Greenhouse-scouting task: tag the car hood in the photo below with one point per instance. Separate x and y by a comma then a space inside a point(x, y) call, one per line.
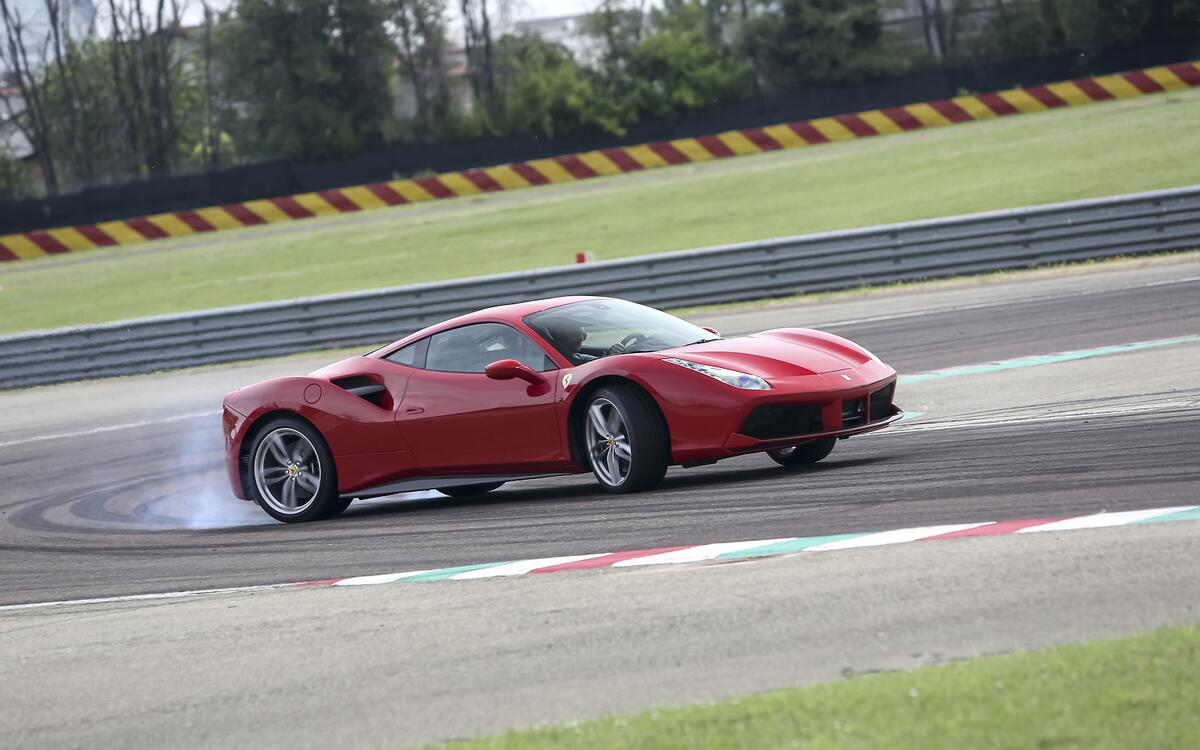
point(776, 354)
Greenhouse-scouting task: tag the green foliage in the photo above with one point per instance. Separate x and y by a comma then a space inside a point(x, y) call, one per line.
point(96, 135)
point(669, 63)
point(420, 34)
point(1084, 26)
point(545, 92)
point(683, 66)
point(221, 142)
point(1063, 154)
point(12, 179)
point(311, 74)
point(672, 64)
point(1095, 24)
point(804, 42)
point(617, 28)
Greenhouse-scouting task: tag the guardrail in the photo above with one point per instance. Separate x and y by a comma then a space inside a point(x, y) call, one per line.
point(1020, 238)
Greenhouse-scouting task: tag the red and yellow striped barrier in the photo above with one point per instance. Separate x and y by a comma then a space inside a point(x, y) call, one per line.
point(608, 161)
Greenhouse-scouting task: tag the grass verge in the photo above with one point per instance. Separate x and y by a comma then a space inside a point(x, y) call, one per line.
point(1102, 149)
point(1138, 692)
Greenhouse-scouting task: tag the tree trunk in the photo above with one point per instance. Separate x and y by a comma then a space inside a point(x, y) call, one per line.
point(33, 124)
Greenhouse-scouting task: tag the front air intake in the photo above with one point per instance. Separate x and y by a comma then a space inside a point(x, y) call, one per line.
point(782, 420)
point(881, 403)
point(854, 412)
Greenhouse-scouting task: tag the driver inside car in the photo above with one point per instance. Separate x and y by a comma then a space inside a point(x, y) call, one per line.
point(568, 336)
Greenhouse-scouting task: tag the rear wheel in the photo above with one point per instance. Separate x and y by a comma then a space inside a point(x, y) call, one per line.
point(292, 474)
point(803, 455)
point(624, 439)
point(467, 490)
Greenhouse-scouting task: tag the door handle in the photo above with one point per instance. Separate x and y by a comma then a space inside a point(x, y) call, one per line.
point(414, 410)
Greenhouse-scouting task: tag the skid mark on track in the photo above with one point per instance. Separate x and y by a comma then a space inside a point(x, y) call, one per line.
point(702, 553)
point(920, 377)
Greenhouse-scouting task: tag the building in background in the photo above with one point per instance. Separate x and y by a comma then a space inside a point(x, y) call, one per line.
point(458, 87)
point(564, 30)
point(20, 173)
point(79, 17)
point(30, 23)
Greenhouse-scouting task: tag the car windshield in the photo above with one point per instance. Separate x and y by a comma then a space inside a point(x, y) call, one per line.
point(584, 331)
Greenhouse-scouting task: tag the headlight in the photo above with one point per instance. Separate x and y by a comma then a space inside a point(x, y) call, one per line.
point(728, 377)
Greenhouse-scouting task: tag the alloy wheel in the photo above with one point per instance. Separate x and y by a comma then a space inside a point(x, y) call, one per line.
point(287, 471)
point(608, 442)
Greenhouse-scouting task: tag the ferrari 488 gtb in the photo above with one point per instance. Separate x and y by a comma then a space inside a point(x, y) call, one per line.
point(556, 386)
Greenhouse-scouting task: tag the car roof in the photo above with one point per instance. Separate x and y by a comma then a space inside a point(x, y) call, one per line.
point(506, 313)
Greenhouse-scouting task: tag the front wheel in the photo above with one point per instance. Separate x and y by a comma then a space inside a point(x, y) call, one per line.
point(803, 455)
point(292, 474)
point(624, 439)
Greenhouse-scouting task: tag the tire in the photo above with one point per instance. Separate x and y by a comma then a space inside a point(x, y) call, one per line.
point(467, 490)
point(803, 455)
point(337, 507)
point(292, 475)
point(624, 439)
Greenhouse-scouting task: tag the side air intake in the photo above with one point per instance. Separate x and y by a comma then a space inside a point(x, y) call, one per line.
point(366, 388)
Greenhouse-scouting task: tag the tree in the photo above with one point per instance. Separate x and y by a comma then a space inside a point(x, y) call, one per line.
point(545, 92)
point(1093, 25)
point(145, 73)
point(683, 65)
point(820, 41)
point(12, 179)
point(617, 28)
point(1087, 27)
point(477, 39)
point(420, 34)
point(311, 74)
point(24, 70)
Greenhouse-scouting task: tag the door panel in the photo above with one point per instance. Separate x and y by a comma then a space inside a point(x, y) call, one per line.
point(467, 423)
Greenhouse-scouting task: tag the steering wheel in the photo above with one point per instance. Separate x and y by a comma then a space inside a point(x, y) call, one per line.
point(631, 339)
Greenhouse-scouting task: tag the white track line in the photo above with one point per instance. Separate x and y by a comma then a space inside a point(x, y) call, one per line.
point(384, 578)
point(110, 428)
point(521, 567)
point(956, 424)
point(896, 536)
point(999, 303)
point(696, 554)
point(1103, 520)
point(145, 597)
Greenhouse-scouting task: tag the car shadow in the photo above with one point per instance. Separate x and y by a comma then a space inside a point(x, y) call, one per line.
point(583, 489)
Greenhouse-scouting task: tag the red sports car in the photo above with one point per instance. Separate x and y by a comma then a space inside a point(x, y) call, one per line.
point(557, 386)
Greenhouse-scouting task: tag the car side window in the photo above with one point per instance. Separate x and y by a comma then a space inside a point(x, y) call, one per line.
point(472, 348)
point(412, 355)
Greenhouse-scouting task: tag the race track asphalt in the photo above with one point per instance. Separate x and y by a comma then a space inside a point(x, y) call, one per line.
point(116, 487)
point(106, 513)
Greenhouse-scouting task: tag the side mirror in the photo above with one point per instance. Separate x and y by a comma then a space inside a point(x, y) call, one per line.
point(507, 369)
point(713, 331)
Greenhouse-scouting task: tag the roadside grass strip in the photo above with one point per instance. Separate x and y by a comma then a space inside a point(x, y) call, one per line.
point(41, 243)
point(696, 553)
point(1069, 153)
point(1138, 692)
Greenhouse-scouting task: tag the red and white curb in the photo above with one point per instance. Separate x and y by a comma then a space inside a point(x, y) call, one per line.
point(693, 553)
